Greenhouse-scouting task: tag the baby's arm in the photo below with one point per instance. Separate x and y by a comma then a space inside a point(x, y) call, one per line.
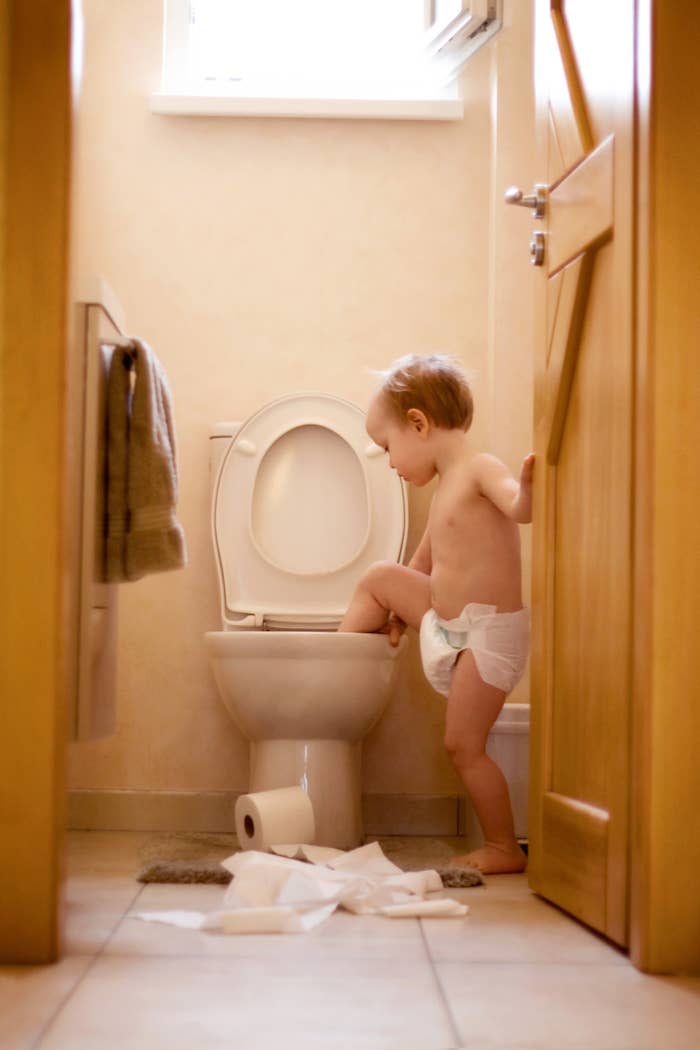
point(511, 497)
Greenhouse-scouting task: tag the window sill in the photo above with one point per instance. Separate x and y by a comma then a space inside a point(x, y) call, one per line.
point(445, 108)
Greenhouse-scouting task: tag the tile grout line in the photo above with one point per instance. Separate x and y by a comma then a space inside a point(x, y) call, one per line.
point(39, 1038)
point(441, 991)
point(121, 918)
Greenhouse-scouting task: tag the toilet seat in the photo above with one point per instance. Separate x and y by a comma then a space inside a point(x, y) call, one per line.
point(304, 502)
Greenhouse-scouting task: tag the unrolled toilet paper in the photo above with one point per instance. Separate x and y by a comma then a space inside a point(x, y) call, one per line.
point(270, 894)
point(271, 818)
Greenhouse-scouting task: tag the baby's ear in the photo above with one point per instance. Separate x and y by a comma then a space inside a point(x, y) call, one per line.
point(418, 421)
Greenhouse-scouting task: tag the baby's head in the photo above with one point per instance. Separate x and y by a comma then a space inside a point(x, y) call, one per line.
point(436, 385)
point(421, 403)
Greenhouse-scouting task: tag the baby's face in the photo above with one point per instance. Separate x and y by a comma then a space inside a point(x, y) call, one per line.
point(408, 452)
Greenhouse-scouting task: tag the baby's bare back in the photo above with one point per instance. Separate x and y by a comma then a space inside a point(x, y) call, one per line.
point(475, 549)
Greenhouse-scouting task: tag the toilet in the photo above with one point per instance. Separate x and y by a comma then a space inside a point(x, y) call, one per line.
point(302, 503)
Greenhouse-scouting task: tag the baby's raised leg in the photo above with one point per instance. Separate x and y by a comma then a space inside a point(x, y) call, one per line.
point(472, 708)
point(384, 588)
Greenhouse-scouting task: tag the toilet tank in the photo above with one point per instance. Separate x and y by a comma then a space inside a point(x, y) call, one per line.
point(219, 439)
point(508, 745)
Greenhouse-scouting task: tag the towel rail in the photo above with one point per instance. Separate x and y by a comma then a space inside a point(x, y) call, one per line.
point(96, 658)
point(122, 343)
point(110, 317)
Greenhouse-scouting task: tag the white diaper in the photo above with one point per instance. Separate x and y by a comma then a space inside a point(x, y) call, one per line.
point(499, 642)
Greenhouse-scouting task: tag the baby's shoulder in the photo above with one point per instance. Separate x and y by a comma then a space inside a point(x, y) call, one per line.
point(479, 460)
point(463, 482)
point(469, 482)
point(484, 465)
point(476, 464)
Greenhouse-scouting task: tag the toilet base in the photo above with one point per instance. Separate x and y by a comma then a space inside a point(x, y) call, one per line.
point(328, 770)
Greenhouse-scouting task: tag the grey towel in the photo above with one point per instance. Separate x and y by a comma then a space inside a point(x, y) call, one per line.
point(143, 533)
point(117, 438)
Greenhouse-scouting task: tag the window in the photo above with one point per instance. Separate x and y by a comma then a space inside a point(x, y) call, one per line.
point(457, 29)
point(230, 52)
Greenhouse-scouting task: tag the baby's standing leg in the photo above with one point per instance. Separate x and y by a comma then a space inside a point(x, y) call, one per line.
point(384, 588)
point(472, 708)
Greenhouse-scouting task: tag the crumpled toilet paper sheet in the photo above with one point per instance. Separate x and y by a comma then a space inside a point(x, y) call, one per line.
point(284, 894)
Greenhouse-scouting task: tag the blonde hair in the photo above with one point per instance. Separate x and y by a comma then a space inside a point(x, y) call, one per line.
point(436, 384)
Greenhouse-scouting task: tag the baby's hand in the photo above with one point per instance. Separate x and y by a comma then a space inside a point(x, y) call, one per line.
point(394, 627)
point(522, 504)
point(527, 470)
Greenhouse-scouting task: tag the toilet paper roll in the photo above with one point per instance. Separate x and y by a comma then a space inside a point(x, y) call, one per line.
point(270, 818)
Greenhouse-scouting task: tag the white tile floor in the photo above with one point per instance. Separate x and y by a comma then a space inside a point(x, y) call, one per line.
point(516, 973)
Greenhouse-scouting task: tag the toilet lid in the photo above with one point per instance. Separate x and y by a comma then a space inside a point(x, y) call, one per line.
point(304, 503)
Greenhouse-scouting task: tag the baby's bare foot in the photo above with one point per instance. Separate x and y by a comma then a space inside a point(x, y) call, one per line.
point(493, 859)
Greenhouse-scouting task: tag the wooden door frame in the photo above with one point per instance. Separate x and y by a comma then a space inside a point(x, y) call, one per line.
point(35, 439)
point(35, 618)
point(665, 819)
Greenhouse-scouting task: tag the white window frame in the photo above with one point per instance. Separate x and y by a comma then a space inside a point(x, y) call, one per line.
point(450, 45)
point(453, 42)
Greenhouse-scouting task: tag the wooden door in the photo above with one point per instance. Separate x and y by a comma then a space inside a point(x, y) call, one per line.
point(35, 612)
point(582, 558)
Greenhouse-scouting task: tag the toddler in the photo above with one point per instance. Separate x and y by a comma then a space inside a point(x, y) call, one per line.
point(461, 589)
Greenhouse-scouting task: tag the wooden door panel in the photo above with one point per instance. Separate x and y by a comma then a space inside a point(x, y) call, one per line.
point(555, 157)
point(570, 288)
point(566, 99)
point(581, 207)
point(591, 554)
point(554, 288)
point(575, 851)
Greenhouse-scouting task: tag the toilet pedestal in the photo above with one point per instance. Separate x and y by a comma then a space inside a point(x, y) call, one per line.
point(328, 770)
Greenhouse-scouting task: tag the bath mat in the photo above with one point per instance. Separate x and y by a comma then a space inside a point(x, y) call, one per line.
point(195, 858)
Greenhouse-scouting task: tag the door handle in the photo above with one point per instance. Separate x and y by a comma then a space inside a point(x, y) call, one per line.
point(536, 200)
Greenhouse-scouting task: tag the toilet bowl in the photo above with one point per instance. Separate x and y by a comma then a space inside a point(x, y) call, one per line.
point(303, 502)
point(305, 701)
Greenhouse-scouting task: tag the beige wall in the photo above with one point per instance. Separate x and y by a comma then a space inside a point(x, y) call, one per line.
point(263, 256)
